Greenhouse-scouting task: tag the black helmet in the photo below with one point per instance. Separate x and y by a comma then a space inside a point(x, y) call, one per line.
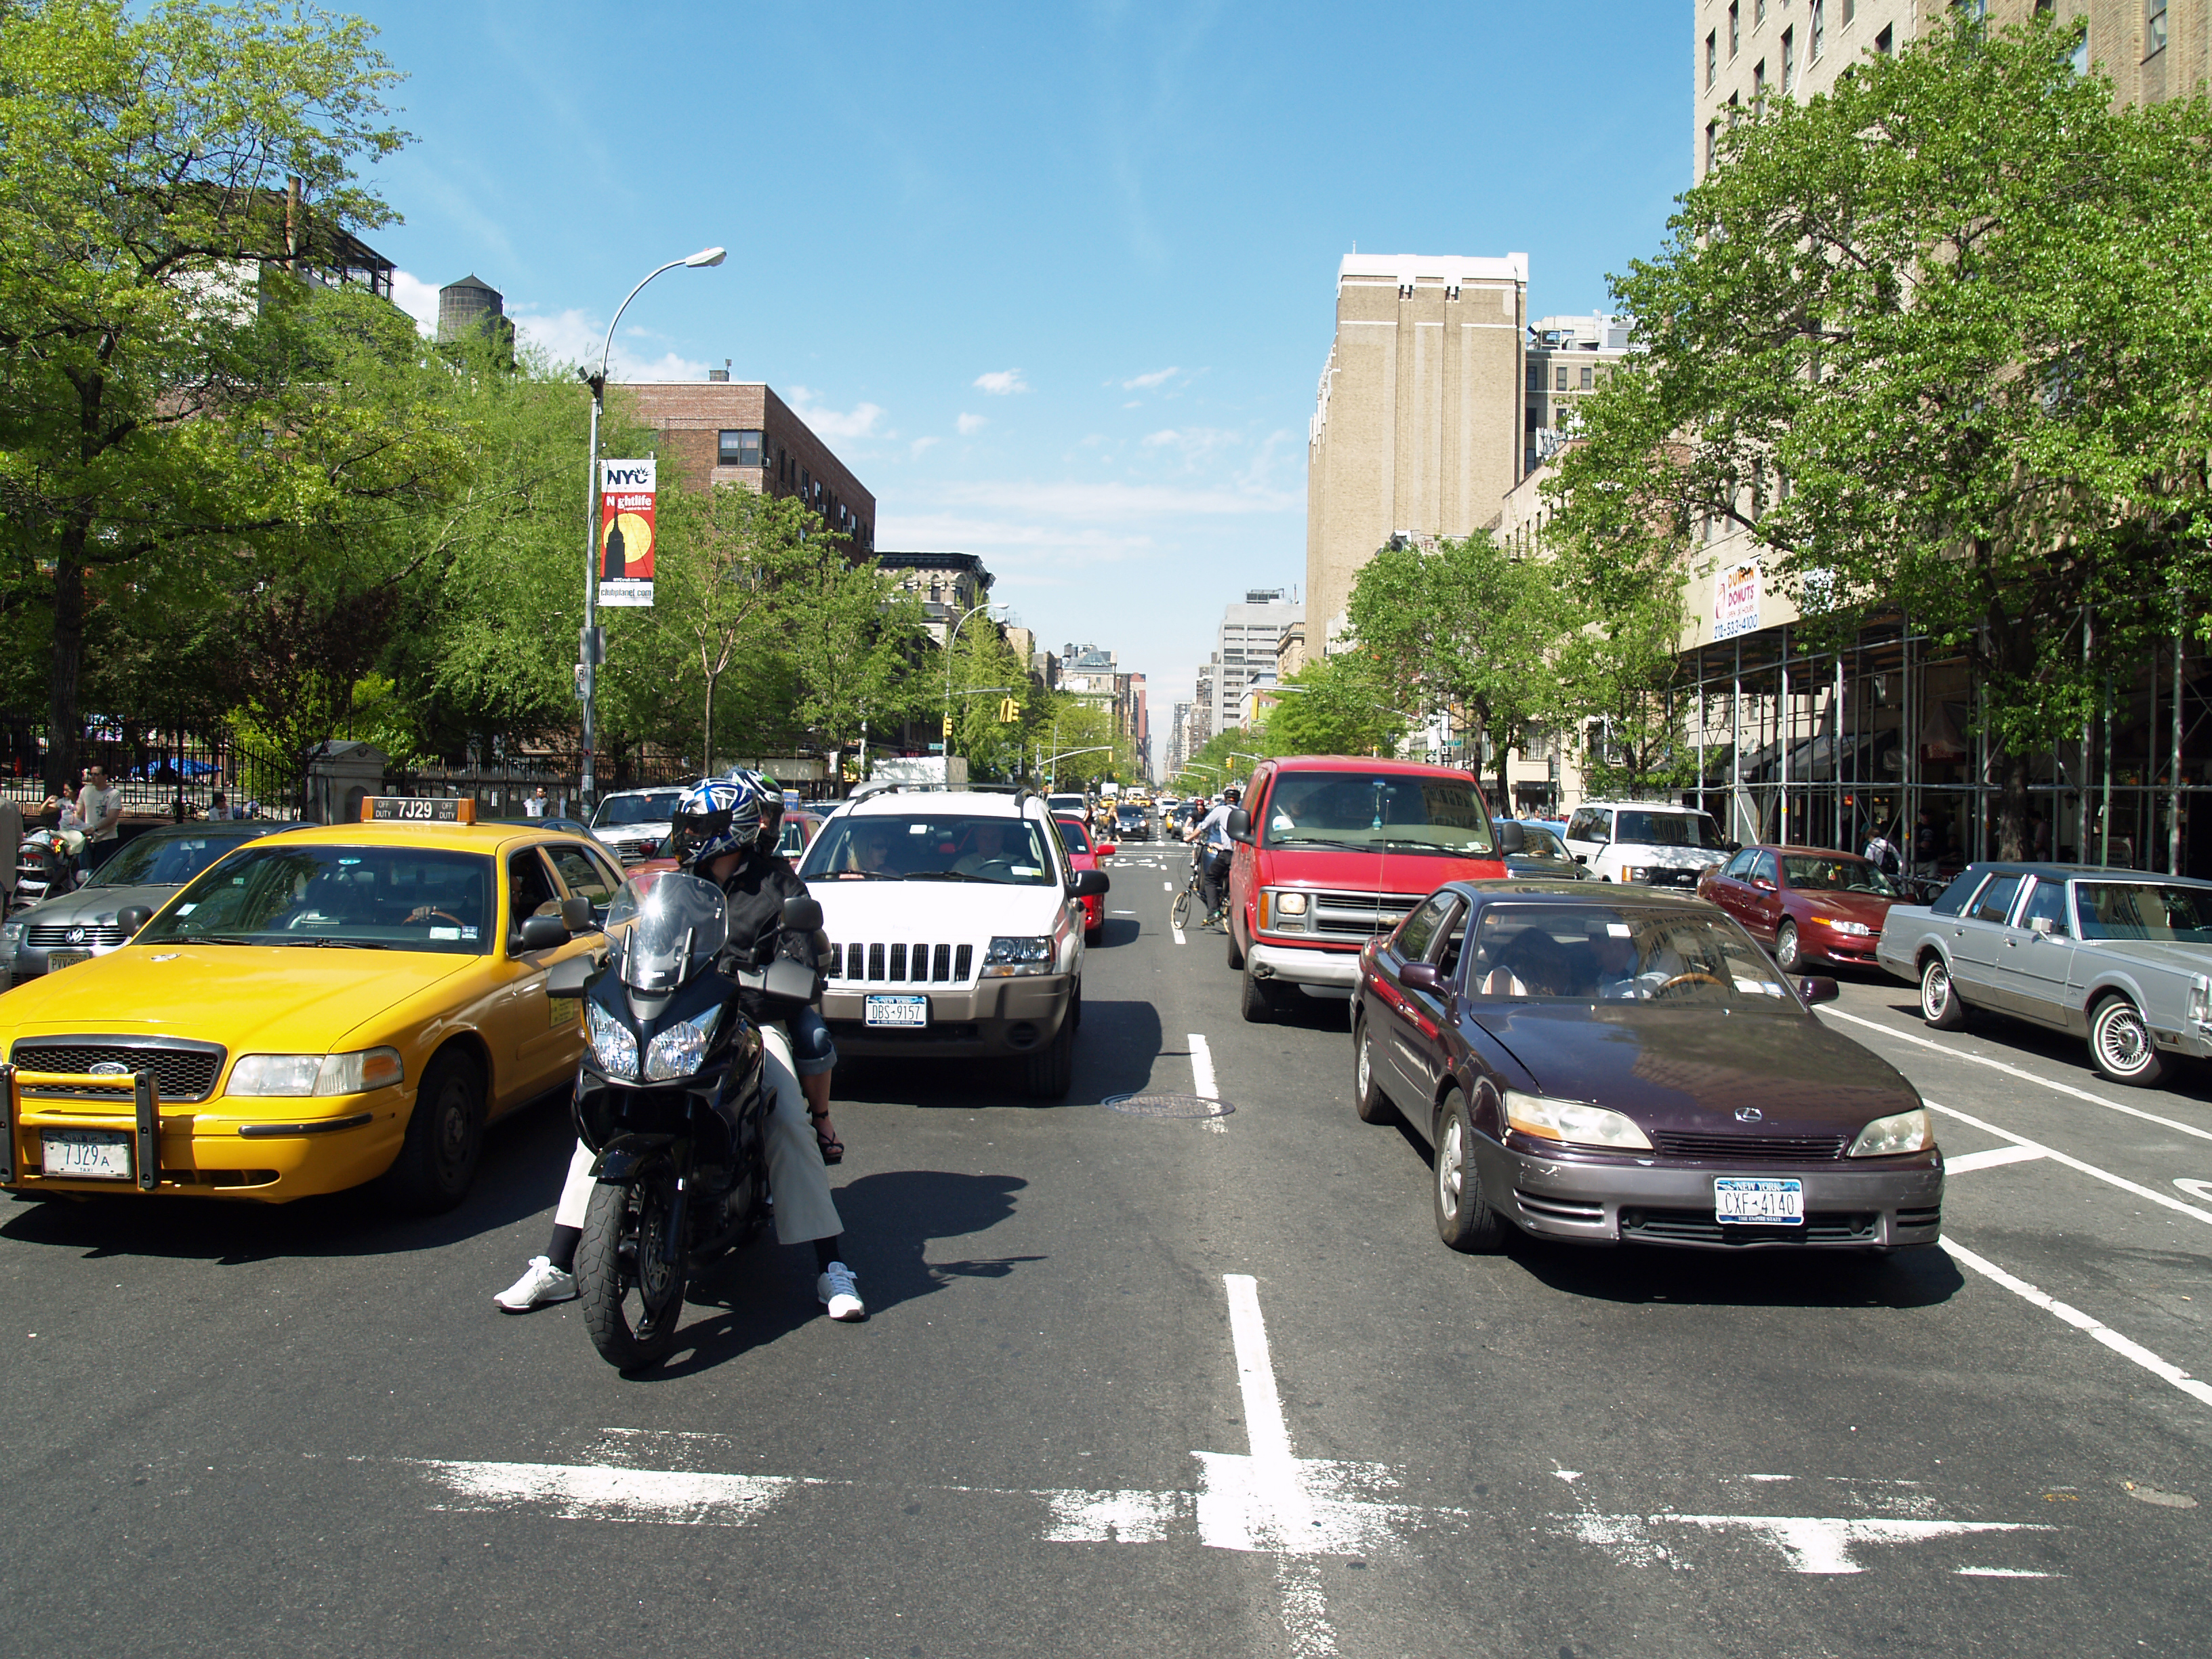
point(1232, 794)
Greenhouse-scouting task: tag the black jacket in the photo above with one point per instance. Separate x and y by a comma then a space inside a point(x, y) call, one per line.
point(756, 892)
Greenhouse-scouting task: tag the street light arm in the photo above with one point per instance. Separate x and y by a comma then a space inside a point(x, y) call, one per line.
point(607, 349)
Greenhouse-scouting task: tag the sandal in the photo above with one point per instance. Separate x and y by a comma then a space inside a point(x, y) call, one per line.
point(832, 1150)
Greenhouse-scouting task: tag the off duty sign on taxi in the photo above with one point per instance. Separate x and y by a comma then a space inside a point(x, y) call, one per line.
point(626, 532)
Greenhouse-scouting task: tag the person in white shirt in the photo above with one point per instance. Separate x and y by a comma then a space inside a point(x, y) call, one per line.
point(1213, 830)
point(534, 805)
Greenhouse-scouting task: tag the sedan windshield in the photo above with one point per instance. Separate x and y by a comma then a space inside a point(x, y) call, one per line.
point(1618, 953)
point(922, 846)
point(1671, 830)
point(394, 898)
point(163, 860)
point(2145, 910)
point(1073, 835)
point(619, 810)
point(1813, 873)
point(1363, 812)
point(1538, 842)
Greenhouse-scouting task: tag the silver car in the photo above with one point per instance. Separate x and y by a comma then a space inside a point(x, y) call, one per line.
point(74, 926)
point(2120, 957)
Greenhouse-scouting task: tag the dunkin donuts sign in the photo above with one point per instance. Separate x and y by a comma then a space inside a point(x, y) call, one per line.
point(1735, 601)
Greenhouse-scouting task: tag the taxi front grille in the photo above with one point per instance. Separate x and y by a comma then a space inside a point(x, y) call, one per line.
point(182, 1071)
point(48, 934)
point(915, 962)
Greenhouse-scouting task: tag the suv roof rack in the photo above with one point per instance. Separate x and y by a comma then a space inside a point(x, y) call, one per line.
point(930, 786)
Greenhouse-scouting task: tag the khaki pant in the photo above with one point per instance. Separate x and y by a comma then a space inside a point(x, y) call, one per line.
point(803, 1208)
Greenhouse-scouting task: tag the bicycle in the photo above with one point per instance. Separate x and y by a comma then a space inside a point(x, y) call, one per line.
point(1192, 895)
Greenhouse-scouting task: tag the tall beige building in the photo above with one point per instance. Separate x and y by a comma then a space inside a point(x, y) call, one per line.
point(1416, 429)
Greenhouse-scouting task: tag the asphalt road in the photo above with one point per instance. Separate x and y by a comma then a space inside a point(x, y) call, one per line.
point(1137, 1385)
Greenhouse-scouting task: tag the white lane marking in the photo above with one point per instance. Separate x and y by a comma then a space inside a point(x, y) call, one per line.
point(1179, 938)
point(2081, 1321)
point(1269, 1434)
point(1996, 1572)
point(1994, 1158)
point(1201, 1078)
point(2024, 1076)
point(1167, 887)
point(602, 1492)
point(2195, 1188)
point(2056, 1157)
point(1120, 912)
point(1823, 1544)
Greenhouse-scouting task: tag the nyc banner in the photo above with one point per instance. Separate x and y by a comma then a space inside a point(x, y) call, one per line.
point(626, 490)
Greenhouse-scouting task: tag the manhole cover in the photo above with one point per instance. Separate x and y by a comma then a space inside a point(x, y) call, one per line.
point(1169, 1105)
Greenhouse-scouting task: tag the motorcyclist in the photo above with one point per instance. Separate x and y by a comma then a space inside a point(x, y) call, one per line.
point(717, 831)
point(1213, 855)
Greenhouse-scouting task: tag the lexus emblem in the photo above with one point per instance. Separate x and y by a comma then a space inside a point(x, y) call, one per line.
point(1748, 1115)
point(108, 1068)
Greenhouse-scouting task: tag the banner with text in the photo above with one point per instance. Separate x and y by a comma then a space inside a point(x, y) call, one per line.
point(1735, 601)
point(626, 491)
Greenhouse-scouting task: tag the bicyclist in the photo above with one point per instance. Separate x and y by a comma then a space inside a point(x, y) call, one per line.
point(1214, 853)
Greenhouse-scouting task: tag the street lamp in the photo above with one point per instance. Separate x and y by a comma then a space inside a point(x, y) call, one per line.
point(1054, 761)
point(951, 635)
point(591, 651)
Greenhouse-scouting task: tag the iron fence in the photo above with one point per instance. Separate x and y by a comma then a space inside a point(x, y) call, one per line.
point(163, 771)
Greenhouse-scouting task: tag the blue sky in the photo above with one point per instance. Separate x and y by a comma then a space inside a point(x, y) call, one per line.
point(1056, 282)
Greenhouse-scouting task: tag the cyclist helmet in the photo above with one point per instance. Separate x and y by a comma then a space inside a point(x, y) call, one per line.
point(1232, 794)
point(714, 817)
point(769, 794)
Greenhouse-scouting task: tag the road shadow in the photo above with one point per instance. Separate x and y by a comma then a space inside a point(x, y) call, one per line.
point(2185, 1078)
point(1118, 931)
point(1754, 1277)
point(765, 1291)
point(1114, 1053)
point(525, 1155)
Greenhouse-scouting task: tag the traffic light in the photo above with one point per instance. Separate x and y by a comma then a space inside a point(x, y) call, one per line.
point(1009, 712)
point(948, 728)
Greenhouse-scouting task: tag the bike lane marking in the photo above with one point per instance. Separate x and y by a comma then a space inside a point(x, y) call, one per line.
point(2027, 1148)
point(1201, 1077)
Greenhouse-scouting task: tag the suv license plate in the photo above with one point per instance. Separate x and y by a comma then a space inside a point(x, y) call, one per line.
point(897, 1010)
point(1762, 1201)
point(87, 1154)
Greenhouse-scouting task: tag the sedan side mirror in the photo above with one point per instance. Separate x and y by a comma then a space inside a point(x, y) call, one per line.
point(1240, 826)
point(1106, 849)
point(1819, 988)
point(1090, 883)
point(541, 933)
point(802, 915)
point(131, 917)
point(1511, 838)
point(1418, 976)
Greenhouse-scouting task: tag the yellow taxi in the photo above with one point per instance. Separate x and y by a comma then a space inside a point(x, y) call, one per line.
point(323, 1007)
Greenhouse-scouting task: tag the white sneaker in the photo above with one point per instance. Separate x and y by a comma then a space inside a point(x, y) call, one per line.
point(836, 1289)
point(541, 1283)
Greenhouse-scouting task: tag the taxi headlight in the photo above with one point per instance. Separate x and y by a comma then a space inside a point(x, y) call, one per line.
point(614, 1045)
point(1575, 1121)
point(1010, 957)
point(316, 1074)
point(1888, 1137)
point(676, 1052)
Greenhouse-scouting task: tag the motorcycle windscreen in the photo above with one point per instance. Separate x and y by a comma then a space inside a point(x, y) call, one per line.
point(672, 926)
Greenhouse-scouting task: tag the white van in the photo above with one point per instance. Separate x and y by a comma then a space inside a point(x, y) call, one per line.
point(1653, 842)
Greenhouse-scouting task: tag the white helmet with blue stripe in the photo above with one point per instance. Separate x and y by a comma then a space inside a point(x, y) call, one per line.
point(717, 816)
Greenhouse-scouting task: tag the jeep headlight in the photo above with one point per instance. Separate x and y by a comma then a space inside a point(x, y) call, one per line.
point(1889, 1137)
point(316, 1074)
point(1011, 956)
point(1575, 1121)
point(1283, 912)
point(614, 1045)
point(678, 1051)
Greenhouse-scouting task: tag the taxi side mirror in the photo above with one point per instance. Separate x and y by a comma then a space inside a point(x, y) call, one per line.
point(541, 933)
point(576, 913)
point(131, 917)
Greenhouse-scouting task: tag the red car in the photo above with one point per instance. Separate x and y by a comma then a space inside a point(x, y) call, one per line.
point(1806, 904)
point(1084, 853)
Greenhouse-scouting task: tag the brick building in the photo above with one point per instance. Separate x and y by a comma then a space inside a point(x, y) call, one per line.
point(724, 431)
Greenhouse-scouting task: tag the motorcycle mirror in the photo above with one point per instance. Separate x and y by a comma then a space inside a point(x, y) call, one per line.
point(802, 915)
point(570, 978)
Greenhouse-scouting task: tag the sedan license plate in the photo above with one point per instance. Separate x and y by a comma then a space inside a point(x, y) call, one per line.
point(897, 1010)
point(87, 1154)
point(66, 959)
point(1761, 1200)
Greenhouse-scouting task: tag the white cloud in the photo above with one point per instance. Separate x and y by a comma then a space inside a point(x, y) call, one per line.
point(575, 337)
point(858, 421)
point(1002, 382)
point(920, 447)
point(970, 425)
point(418, 298)
point(1195, 446)
point(1147, 382)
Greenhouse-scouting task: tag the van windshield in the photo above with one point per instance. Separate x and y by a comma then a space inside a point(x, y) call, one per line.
point(1671, 830)
point(1439, 817)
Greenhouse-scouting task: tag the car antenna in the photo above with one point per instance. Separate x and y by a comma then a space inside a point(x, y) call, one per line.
point(1382, 864)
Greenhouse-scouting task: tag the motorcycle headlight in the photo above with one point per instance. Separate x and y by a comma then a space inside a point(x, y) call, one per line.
point(614, 1045)
point(316, 1074)
point(1010, 957)
point(678, 1051)
point(1575, 1121)
point(1888, 1137)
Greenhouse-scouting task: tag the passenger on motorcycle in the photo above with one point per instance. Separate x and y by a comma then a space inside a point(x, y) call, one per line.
point(718, 836)
point(1214, 854)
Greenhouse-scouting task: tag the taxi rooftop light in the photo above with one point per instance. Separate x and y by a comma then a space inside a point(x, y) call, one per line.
point(417, 809)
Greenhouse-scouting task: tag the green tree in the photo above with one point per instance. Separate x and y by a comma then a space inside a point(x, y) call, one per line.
point(855, 642)
point(1336, 706)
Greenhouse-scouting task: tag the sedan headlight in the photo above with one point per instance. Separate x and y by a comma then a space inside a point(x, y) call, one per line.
point(614, 1045)
point(1282, 912)
point(1856, 929)
point(11, 937)
point(1008, 957)
point(1575, 1121)
point(678, 1051)
point(355, 1073)
point(1888, 1137)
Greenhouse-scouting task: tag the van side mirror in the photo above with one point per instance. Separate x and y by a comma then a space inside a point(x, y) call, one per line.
point(802, 915)
point(1240, 826)
point(1511, 838)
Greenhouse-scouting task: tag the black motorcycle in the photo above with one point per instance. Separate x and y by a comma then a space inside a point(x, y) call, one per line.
point(671, 1096)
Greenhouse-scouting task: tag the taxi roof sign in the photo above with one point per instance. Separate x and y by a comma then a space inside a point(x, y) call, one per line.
point(417, 809)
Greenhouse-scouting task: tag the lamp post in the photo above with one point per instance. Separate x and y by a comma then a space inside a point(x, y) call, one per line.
point(952, 637)
point(1054, 761)
point(590, 648)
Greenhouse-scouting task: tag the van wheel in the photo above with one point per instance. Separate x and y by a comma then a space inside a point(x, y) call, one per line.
point(1259, 1005)
point(1939, 999)
point(2120, 1044)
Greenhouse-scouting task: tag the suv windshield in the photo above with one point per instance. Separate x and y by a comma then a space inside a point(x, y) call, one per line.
point(1670, 829)
point(1434, 817)
point(1618, 953)
point(1813, 873)
point(2144, 910)
point(926, 846)
point(618, 810)
point(394, 898)
point(163, 860)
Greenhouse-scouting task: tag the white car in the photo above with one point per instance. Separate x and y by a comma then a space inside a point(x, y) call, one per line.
point(1653, 842)
point(955, 929)
point(632, 824)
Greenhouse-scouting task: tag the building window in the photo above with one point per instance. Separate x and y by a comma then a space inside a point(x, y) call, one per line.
point(1590, 376)
point(2081, 57)
point(1850, 11)
point(1788, 61)
point(1758, 12)
point(1759, 88)
point(738, 449)
point(1561, 384)
point(1712, 57)
point(1882, 43)
point(2154, 26)
point(1817, 27)
point(1712, 140)
point(1734, 30)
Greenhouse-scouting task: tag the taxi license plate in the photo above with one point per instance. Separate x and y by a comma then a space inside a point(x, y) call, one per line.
point(897, 1010)
point(1763, 1200)
point(87, 1154)
point(66, 959)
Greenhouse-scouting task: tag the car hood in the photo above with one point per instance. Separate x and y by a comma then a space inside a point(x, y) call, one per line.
point(250, 998)
point(891, 910)
point(2151, 953)
point(1667, 858)
point(94, 905)
point(1692, 1069)
point(1869, 908)
point(1402, 872)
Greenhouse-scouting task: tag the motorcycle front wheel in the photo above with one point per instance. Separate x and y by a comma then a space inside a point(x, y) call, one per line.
point(632, 1292)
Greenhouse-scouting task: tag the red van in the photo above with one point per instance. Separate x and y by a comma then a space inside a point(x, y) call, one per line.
point(1332, 849)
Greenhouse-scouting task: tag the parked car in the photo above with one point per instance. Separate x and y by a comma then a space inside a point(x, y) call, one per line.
point(1542, 853)
point(1604, 1065)
point(1085, 854)
point(2118, 958)
point(1646, 842)
point(633, 823)
point(1808, 904)
point(1332, 849)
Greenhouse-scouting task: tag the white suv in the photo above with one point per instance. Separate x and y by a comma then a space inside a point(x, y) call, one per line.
point(956, 928)
point(632, 825)
point(1653, 842)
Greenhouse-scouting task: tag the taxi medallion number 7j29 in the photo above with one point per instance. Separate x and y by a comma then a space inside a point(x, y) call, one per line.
point(1764, 1200)
point(86, 1154)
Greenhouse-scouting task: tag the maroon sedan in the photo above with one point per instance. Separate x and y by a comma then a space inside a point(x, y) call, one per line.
point(1807, 904)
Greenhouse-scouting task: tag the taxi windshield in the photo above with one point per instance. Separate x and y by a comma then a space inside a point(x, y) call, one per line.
point(616, 811)
point(926, 846)
point(1618, 953)
point(381, 897)
point(1425, 817)
point(163, 860)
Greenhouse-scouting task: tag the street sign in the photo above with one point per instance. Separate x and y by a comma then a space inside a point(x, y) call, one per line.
point(626, 532)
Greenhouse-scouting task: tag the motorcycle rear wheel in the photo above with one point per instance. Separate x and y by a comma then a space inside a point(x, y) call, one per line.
point(633, 1297)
